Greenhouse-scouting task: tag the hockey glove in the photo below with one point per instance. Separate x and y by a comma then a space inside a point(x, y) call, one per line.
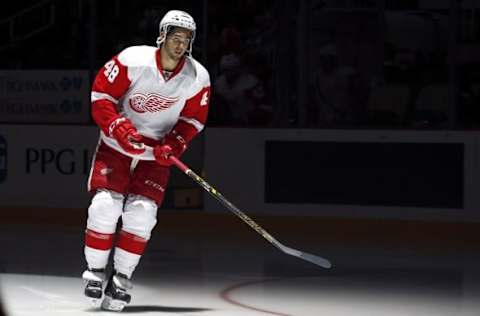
point(126, 136)
point(172, 145)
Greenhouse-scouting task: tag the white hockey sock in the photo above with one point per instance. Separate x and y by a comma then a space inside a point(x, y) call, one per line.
point(96, 259)
point(125, 262)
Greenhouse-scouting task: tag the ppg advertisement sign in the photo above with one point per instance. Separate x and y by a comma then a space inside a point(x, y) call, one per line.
point(45, 166)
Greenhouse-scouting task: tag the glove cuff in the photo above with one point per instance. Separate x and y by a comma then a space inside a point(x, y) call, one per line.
point(114, 124)
point(179, 138)
point(176, 141)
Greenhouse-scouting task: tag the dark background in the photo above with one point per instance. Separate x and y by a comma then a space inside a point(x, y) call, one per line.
point(316, 64)
point(308, 64)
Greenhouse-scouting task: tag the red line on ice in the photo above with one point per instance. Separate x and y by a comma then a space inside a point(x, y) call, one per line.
point(225, 295)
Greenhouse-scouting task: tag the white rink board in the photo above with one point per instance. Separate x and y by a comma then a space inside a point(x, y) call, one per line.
point(235, 165)
point(46, 166)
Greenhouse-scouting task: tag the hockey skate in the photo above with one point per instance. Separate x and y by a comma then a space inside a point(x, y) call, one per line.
point(116, 296)
point(94, 279)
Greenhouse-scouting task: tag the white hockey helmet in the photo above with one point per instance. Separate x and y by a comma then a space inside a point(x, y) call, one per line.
point(176, 18)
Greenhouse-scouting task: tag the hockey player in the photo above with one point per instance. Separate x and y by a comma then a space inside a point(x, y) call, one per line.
point(149, 103)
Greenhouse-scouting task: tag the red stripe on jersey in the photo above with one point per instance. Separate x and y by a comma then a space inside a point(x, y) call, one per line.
point(97, 240)
point(186, 130)
point(113, 80)
point(195, 108)
point(131, 243)
point(158, 58)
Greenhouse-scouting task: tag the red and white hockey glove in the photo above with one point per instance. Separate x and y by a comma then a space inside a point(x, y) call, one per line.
point(172, 145)
point(126, 136)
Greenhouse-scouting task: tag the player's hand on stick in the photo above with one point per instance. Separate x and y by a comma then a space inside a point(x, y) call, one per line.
point(172, 145)
point(127, 136)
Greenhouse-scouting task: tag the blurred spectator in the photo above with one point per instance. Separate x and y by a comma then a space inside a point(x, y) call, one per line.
point(262, 30)
point(469, 95)
point(261, 36)
point(240, 94)
point(333, 89)
point(230, 40)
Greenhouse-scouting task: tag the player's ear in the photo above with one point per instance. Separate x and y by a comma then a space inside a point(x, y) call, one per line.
point(163, 35)
point(161, 38)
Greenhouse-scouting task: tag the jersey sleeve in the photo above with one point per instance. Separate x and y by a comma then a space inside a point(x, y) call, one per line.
point(194, 114)
point(110, 84)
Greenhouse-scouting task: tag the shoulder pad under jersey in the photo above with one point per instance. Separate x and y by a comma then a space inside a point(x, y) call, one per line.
point(202, 76)
point(137, 56)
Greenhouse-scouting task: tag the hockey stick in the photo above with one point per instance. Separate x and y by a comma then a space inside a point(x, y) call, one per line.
point(217, 195)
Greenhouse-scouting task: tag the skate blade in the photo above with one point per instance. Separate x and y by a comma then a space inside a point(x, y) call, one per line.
point(94, 302)
point(110, 304)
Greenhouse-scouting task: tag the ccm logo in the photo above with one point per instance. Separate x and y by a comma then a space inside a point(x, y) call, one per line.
point(155, 185)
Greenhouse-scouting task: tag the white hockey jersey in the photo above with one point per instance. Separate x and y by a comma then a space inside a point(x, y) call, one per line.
point(134, 85)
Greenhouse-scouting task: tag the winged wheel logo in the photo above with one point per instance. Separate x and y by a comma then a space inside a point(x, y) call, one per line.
point(152, 102)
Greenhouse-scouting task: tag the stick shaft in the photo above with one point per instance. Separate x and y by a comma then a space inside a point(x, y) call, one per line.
point(217, 195)
point(245, 218)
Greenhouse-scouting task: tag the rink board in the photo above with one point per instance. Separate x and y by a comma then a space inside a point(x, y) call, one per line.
point(48, 166)
point(241, 168)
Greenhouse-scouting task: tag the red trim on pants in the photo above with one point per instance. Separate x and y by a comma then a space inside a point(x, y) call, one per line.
point(97, 240)
point(131, 243)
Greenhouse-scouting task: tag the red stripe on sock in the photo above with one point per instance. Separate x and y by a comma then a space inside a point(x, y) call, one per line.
point(97, 240)
point(131, 243)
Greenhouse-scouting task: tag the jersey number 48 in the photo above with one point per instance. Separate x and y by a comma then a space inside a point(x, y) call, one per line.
point(111, 71)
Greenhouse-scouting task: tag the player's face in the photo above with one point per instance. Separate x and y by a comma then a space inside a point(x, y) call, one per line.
point(177, 42)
